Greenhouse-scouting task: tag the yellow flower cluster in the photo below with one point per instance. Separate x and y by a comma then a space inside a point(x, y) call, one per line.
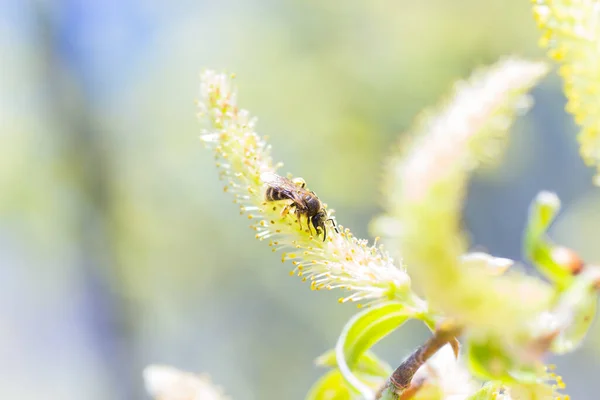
point(244, 158)
point(426, 184)
point(571, 33)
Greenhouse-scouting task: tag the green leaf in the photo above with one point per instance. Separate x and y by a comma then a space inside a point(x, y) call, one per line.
point(571, 338)
point(389, 394)
point(368, 364)
point(538, 248)
point(489, 359)
point(361, 333)
point(576, 309)
point(327, 359)
point(330, 386)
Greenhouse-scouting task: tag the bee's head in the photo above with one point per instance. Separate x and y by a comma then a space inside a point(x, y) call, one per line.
point(318, 221)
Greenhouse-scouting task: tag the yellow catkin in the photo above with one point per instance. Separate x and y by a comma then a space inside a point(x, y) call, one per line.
point(571, 33)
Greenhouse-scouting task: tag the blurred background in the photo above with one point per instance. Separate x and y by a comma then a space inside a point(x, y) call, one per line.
point(118, 247)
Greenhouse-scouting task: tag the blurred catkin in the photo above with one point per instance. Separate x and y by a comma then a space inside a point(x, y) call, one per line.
point(426, 184)
point(168, 383)
point(571, 34)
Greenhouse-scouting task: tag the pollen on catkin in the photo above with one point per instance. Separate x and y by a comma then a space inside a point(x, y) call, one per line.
point(570, 34)
point(242, 158)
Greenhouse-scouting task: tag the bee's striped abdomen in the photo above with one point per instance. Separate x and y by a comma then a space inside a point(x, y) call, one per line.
point(273, 194)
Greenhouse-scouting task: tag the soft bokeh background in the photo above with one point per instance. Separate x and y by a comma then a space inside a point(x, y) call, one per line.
point(118, 247)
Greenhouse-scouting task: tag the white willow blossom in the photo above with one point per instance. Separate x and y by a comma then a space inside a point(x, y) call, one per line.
point(494, 266)
point(242, 156)
point(168, 383)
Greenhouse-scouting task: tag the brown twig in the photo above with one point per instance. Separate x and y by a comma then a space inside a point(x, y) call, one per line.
point(400, 380)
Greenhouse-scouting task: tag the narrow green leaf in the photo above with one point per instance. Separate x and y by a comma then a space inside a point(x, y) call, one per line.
point(368, 364)
point(537, 247)
point(571, 338)
point(327, 359)
point(333, 386)
point(330, 386)
point(388, 394)
point(489, 359)
point(576, 310)
point(361, 333)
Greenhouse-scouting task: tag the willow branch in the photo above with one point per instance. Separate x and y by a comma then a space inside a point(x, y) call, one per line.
point(399, 383)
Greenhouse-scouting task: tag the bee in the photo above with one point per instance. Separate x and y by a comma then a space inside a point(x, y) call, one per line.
point(304, 201)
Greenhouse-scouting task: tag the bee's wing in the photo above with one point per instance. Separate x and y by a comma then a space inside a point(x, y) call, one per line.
point(273, 179)
point(285, 186)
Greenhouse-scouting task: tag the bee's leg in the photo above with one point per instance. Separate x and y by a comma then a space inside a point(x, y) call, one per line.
point(296, 212)
point(308, 224)
point(319, 226)
point(299, 217)
point(289, 207)
point(299, 182)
